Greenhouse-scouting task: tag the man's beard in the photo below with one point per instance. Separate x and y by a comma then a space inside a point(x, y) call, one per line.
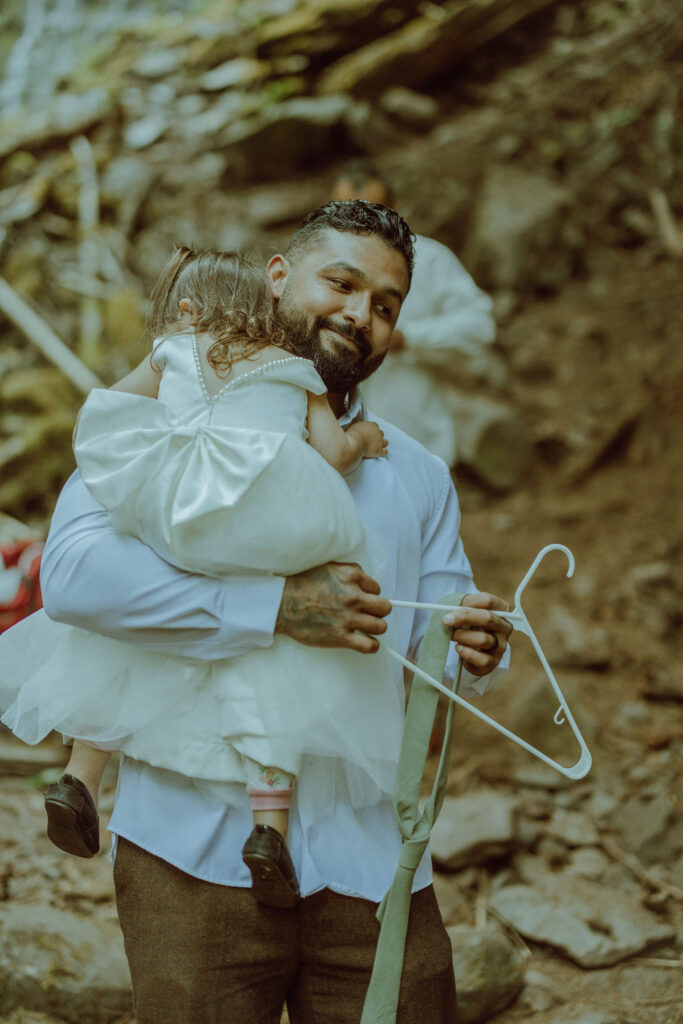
point(339, 368)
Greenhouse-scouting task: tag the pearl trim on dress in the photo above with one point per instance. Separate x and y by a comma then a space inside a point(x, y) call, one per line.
point(259, 371)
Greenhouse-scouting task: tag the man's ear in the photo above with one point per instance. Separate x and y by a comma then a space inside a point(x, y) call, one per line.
point(277, 269)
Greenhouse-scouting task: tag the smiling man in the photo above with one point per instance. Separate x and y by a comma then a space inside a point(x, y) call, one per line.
point(200, 948)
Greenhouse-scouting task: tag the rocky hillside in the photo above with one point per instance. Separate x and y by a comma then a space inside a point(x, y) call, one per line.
point(541, 140)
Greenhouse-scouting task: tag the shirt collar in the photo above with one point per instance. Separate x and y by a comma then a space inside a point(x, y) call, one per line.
point(354, 409)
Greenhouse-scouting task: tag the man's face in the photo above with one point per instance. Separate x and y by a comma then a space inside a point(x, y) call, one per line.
point(342, 299)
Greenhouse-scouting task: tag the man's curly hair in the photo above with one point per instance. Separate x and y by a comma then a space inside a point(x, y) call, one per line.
point(359, 217)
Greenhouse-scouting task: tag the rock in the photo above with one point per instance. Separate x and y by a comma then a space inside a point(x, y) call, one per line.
point(489, 972)
point(209, 122)
point(124, 185)
point(205, 173)
point(285, 137)
point(581, 1016)
point(158, 63)
point(326, 28)
point(234, 73)
point(473, 829)
point(515, 241)
point(368, 128)
point(491, 440)
point(594, 925)
point(537, 996)
point(273, 204)
point(588, 862)
point(677, 873)
point(574, 828)
point(146, 130)
point(423, 48)
point(532, 707)
point(568, 640)
point(66, 116)
point(452, 903)
point(415, 109)
point(644, 825)
point(52, 961)
point(21, 202)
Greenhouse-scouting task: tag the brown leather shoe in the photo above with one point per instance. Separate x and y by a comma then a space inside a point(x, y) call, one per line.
point(72, 821)
point(273, 877)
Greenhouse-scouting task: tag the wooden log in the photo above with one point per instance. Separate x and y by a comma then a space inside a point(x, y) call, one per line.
point(427, 46)
point(41, 334)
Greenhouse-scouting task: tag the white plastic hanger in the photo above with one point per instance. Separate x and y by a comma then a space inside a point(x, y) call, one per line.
point(517, 618)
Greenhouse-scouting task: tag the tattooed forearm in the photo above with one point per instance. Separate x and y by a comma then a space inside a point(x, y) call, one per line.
point(333, 605)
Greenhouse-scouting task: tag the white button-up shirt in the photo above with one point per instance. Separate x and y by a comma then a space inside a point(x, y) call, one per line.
point(113, 584)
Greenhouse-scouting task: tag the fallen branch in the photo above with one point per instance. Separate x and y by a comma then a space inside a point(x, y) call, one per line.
point(88, 251)
point(641, 873)
point(511, 932)
point(41, 334)
point(670, 233)
point(654, 961)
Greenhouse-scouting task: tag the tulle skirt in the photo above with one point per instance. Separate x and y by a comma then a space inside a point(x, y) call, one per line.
point(274, 705)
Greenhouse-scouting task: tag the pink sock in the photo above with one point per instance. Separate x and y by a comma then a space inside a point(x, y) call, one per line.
point(270, 799)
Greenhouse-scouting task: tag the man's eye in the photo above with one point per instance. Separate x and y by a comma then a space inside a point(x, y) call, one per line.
point(344, 285)
point(383, 310)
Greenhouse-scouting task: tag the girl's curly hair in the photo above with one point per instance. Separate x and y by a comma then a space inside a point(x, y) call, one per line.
point(230, 300)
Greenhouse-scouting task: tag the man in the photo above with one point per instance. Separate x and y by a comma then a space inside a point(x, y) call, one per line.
point(445, 329)
point(199, 946)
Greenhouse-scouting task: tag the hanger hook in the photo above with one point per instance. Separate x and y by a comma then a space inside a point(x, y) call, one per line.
point(535, 564)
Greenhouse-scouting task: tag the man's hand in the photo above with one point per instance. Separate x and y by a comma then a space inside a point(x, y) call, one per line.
point(333, 605)
point(481, 636)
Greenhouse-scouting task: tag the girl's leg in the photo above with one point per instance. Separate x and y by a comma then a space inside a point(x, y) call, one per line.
point(270, 793)
point(265, 852)
point(71, 803)
point(87, 764)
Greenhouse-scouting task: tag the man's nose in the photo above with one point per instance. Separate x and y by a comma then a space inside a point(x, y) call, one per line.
point(358, 310)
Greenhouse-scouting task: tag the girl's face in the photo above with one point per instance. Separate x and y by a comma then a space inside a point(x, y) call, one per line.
point(347, 291)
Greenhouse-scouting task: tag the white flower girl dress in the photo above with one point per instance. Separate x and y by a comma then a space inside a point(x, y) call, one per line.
point(215, 484)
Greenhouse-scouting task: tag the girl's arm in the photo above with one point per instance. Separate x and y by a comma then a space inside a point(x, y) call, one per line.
point(143, 380)
point(343, 449)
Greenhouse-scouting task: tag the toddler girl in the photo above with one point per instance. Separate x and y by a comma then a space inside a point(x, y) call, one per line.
point(221, 453)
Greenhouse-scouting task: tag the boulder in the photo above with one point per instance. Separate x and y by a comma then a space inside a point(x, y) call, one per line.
point(489, 972)
point(236, 73)
point(592, 924)
point(573, 828)
point(414, 109)
point(515, 242)
point(285, 137)
point(491, 440)
point(570, 641)
point(473, 829)
point(67, 115)
point(54, 962)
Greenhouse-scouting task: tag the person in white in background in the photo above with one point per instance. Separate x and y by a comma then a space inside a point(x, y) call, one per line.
point(445, 326)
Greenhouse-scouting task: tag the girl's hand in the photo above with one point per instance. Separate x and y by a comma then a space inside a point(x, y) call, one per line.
point(374, 440)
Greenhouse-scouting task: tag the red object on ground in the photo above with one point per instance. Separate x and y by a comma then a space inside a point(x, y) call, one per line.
point(23, 555)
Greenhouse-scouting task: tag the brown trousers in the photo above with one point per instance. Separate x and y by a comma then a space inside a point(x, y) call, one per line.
point(201, 953)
